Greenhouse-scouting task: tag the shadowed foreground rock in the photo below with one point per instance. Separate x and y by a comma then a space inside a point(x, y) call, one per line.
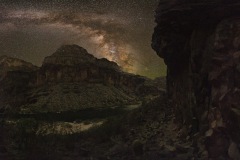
point(200, 43)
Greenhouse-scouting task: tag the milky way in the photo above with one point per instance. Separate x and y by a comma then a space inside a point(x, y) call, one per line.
point(119, 30)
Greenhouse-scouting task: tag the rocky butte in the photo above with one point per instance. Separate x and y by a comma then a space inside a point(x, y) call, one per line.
point(200, 43)
point(68, 80)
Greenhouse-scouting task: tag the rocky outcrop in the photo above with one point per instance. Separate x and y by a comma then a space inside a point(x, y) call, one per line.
point(16, 77)
point(199, 41)
point(14, 64)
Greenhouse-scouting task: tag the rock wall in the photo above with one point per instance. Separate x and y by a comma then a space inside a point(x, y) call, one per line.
point(200, 43)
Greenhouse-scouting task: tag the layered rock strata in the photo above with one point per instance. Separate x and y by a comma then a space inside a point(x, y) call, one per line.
point(69, 79)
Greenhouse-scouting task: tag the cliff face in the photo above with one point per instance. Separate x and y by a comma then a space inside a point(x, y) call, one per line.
point(71, 63)
point(200, 43)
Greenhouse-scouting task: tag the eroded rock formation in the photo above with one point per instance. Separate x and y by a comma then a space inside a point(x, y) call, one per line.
point(200, 43)
point(71, 63)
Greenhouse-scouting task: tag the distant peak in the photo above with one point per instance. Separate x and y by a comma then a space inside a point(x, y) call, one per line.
point(8, 58)
point(70, 50)
point(70, 55)
point(10, 63)
point(4, 57)
point(71, 47)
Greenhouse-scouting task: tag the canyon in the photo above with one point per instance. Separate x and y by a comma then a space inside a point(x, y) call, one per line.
point(69, 79)
point(197, 117)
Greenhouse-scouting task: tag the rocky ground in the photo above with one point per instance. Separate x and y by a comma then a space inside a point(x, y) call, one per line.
point(150, 133)
point(146, 133)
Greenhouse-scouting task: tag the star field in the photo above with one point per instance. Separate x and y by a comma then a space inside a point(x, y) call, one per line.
point(119, 30)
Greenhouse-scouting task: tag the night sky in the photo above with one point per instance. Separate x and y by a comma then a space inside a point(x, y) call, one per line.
point(119, 30)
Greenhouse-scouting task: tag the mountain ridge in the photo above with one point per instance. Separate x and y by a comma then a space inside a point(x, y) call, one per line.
point(70, 79)
point(8, 63)
point(72, 55)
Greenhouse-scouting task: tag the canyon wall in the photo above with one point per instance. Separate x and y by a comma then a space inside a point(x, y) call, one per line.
point(200, 43)
point(69, 76)
point(71, 63)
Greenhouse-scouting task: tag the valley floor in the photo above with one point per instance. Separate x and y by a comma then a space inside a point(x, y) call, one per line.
point(144, 133)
